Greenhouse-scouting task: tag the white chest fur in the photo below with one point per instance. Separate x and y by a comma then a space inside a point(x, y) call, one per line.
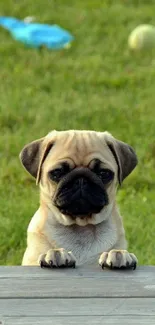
point(86, 243)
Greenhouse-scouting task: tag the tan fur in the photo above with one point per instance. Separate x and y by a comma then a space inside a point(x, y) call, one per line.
point(50, 230)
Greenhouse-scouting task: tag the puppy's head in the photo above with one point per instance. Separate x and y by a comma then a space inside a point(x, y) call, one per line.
point(78, 173)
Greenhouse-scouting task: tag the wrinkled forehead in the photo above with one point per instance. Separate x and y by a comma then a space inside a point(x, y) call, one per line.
point(81, 148)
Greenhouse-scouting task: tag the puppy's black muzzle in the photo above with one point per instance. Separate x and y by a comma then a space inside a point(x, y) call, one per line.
point(80, 193)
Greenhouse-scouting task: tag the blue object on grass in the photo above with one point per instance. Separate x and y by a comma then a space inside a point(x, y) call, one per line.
point(37, 35)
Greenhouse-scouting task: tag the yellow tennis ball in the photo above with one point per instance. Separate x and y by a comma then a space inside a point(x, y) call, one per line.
point(142, 38)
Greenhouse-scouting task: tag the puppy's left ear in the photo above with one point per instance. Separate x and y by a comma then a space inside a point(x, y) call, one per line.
point(124, 155)
point(34, 154)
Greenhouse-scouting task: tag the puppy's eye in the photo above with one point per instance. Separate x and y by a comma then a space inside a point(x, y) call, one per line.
point(106, 175)
point(56, 174)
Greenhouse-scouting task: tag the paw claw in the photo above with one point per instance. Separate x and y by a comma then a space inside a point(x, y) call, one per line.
point(73, 265)
point(41, 264)
point(118, 259)
point(111, 265)
point(103, 266)
point(57, 258)
point(51, 264)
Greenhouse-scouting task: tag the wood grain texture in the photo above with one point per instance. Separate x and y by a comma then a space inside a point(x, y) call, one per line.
point(87, 320)
point(78, 307)
point(72, 288)
point(86, 295)
point(34, 282)
point(82, 271)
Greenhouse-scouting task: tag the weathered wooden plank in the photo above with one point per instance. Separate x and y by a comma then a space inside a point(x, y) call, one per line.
point(78, 307)
point(77, 287)
point(87, 320)
point(82, 271)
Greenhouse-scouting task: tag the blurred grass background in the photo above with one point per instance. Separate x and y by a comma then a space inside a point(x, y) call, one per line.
point(97, 84)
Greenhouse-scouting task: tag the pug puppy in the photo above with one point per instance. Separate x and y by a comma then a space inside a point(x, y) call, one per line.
point(78, 220)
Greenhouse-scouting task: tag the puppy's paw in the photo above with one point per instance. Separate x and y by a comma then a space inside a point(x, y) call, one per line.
point(118, 259)
point(57, 258)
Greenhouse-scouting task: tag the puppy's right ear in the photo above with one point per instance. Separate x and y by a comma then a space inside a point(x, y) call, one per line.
point(33, 155)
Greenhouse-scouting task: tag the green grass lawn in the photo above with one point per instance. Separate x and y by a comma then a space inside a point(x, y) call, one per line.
point(97, 84)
